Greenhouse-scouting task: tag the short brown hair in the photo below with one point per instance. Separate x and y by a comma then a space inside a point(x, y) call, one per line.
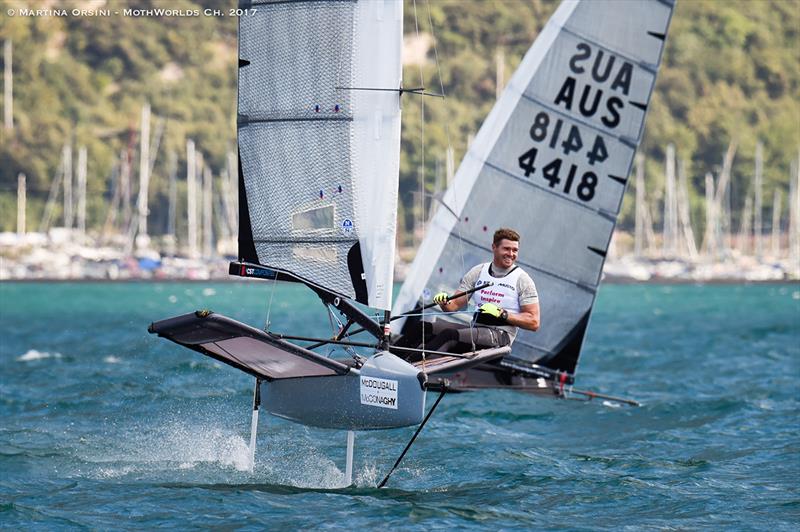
point(505, 233)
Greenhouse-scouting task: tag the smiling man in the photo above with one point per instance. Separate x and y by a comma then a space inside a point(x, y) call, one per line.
point(510, 302)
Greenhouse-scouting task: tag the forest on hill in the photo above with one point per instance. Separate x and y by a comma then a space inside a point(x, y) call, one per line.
point(731, 73)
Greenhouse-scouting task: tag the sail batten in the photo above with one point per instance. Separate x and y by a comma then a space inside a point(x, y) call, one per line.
point(551, 161)
point(319, 161)
point(249, 121)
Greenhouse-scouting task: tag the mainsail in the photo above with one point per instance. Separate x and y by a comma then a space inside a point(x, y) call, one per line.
point(319, 142)
point(552, 161)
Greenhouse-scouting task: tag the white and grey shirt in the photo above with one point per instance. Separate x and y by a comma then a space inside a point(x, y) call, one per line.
point(526, 289)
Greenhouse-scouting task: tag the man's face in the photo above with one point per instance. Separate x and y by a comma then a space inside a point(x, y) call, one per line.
point(505, 253)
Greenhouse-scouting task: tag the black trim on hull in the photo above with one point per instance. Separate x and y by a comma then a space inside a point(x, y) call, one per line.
point(512, 373)
point(496, 376)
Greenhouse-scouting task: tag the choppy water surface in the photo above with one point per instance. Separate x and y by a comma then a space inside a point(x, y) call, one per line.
point(105, 426)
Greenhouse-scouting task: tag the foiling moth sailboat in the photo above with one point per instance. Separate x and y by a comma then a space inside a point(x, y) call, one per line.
point(319, 142)
point(319, 146)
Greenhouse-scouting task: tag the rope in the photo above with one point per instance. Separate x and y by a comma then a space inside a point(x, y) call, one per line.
point(269, 305)
point(441, 312)
point(331, 317)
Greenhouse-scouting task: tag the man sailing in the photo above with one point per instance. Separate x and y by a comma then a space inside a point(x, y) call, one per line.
point(510, 302)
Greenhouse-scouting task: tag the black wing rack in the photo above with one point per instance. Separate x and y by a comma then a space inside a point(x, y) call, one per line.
point(256, 352)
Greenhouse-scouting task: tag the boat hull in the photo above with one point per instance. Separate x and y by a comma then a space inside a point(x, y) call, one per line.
point(494, 376)
point(386, 392)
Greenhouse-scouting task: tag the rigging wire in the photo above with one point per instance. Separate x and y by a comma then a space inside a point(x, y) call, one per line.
point(422, 171)
point(269, 305)
point(331, 317)
point(450, 149)
point(336, 331)
point(446, 124)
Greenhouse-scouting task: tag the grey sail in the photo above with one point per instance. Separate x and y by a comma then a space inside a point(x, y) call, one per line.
point(552, 161)
point(319, 154)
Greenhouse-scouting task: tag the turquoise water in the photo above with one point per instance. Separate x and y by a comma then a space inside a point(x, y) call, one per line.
point(105, 426)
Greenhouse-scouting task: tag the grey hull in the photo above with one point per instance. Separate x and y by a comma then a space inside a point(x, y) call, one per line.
point(386, 392)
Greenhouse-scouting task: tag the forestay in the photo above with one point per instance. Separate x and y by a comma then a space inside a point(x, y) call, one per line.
point(318, 153)
point(552, 161)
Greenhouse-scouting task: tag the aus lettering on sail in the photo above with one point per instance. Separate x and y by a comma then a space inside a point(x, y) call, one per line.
point(602, 90)
point(581, 121)
point(609, 78)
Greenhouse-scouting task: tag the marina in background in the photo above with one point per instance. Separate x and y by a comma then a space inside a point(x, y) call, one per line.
point(760, 248)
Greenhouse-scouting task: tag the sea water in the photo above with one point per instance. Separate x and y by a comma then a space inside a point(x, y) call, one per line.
point(105, 426)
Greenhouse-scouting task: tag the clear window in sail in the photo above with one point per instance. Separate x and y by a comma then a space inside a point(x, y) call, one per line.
point(313, 219)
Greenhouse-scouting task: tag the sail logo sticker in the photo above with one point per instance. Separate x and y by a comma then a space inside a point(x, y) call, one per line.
point(378, 392)
point(347, 226)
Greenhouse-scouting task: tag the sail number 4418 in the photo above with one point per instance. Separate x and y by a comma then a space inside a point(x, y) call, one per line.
point(541, 131)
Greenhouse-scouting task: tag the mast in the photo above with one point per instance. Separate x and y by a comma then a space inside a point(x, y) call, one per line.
point(191, 197)
point(648, 228)
point(8, 86)
point(227, 193)
point(638, 228)
point(172, 202)
point(710, 237)
point(68, 215)
point(757, 208)
point(21, 204)
point(52, 197)
point(144, 176)
point(82, 190)
point(116, 195)
point(745, 226)
point(220, 209)
point(125, 184)
point(208, 237)
point(722, 225)
point(683, 211)
point(451, 165)
point(794, 217)
point(727, 220)
point(233, 193)
point(670, 228)
point(776, 224)
point(500, 61)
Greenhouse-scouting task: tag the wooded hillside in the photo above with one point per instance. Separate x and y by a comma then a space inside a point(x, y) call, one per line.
point(731, 72)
